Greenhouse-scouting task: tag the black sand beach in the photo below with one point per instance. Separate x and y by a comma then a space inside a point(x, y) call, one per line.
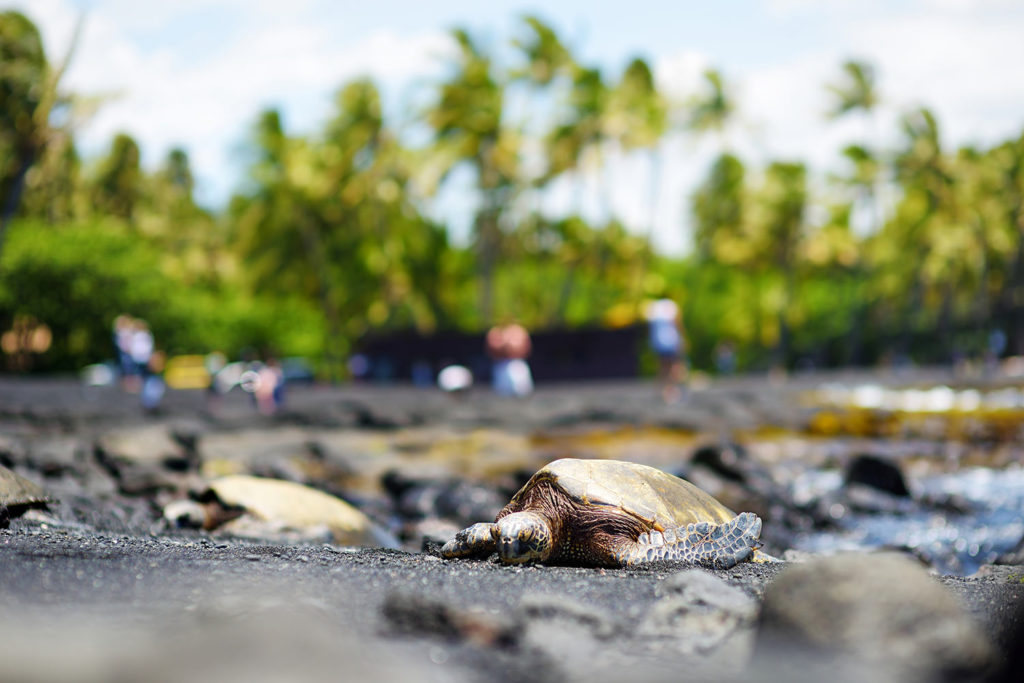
point(100, 588)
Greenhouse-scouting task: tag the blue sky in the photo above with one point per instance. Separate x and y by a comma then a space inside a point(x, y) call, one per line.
point(195, 73)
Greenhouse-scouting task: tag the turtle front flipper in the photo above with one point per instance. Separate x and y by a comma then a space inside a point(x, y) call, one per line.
point(716, 546)
point(474, 541)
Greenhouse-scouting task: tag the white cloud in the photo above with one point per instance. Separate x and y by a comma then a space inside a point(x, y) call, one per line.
point(680, 75)
point(964, 66)
point(167, 98)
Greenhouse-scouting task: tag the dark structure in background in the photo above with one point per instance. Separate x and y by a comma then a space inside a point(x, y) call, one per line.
point(558, 355)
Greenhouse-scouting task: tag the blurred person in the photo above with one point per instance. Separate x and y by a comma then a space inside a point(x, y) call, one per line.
point(124, 328)
point(268, 389)
point(153, 386)
point(359, 367)
point(994, 349)
point(215, 362)
point(509, 345)
point(140, 350)
point(669, 345)
point(725, 357)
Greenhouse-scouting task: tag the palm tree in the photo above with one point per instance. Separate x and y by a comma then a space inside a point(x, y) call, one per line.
point(468, 127)
point(857, 92)
point(713, 110)
point(1008, 159)
point(31, 94)
point(118, 186)
point(906, 243)
point(546, 55)
point(784, 200)
point(719, 210)
point(577, 143)
point(638, 119)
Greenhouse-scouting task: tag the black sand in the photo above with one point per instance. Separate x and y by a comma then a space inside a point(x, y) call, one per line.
point(86, 603)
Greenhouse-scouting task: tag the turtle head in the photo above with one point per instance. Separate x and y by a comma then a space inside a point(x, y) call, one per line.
point(523, 537)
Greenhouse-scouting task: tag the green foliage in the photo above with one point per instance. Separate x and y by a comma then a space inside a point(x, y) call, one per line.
point(23, 82)
point(76, 278)
point(718, 210)
point(713, 109)
point(546, 56)
point(119, 182)
point(23, 70)
point(857, 90)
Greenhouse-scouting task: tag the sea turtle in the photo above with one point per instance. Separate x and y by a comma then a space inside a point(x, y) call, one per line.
point(610, 513)
point(17, 495)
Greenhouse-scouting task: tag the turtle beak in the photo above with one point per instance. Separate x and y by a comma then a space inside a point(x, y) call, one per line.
point(516, 551)
point(511, 551)
point(520, 538)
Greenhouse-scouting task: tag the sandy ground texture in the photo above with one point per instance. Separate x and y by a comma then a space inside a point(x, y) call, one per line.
point(86, 599)
point(89, 606)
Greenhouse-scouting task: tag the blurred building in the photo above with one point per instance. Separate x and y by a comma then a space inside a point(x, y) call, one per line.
point(558, 355)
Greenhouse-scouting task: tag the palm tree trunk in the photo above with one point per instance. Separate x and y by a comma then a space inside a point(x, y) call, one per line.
point(785, 342)
point(565, 295)
point(488, 250)
point(655, 163)
point(947, 348)
point(314, 250)
point(1010, 298)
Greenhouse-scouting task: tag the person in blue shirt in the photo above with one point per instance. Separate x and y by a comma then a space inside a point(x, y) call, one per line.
point(669, 345)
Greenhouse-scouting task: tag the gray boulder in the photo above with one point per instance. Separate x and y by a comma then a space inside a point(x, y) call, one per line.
point(882, 610)
point(698, 612)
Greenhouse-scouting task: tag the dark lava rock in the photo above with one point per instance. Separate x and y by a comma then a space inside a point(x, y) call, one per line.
point(726, 460)
point(698, 612)
point(418, 615)
point(565, 613)
point(1014, 556)
point(456, 500)
point(878, 473)
point(882, 609)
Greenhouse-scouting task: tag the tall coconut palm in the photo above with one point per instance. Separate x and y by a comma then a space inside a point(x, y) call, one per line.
point(577, 143)
point(638, 119)
point(719, 211)
point(547, 68)
point(712, 110)
point(780, 232)
point(546, 55)
point(31, 88)
point(1008, 159)
point(856, 92)
point(468, 124)
point(118, 186)
point(904, 248)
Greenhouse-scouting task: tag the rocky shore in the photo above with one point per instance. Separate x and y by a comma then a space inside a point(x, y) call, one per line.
point(106, 585)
